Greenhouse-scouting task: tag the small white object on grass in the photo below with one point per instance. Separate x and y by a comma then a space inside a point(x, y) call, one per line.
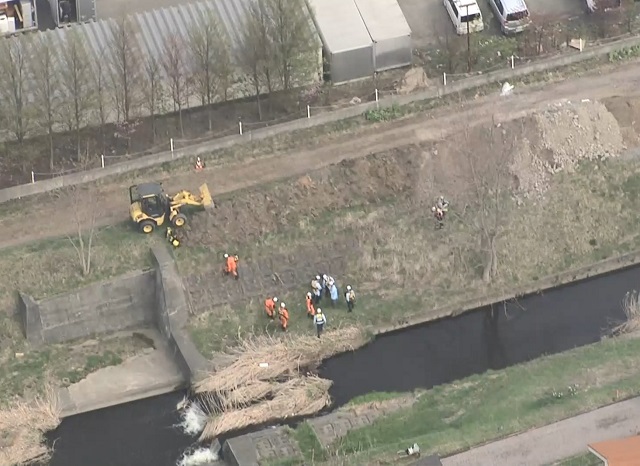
point(507, 89)
point(264, 364)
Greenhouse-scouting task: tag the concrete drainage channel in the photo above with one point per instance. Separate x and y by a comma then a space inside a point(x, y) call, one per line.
point(482, 339)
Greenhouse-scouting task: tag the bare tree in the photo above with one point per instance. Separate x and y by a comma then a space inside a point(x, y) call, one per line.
point(211, 60)
point(85, 213)
point(125, 66)
point(294, 45)
point(76, 83)
point(489, 181)
point(152, 89)
point(255, 54)
point(630, 11)
point(47, 92)
point(176, 67)
point(449, 48)
point(13, 59)
point(100, 92)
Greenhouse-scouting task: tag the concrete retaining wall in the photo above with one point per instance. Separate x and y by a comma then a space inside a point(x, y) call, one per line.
point(172, 312)
point(125, 302)
point(154, 297)
point(565, 59)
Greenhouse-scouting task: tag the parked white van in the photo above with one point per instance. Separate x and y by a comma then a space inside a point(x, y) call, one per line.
point(465, 15)
point(513, 15)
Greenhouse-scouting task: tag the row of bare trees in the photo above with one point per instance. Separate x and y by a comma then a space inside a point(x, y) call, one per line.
point(46, 90)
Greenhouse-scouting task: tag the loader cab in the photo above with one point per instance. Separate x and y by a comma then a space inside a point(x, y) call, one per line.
point(149, 205)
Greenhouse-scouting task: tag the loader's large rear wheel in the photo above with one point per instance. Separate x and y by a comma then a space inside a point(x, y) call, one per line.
point(179, 220)
point(147, 226)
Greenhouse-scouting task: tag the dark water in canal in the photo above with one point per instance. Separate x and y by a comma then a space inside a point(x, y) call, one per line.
point(145, 433)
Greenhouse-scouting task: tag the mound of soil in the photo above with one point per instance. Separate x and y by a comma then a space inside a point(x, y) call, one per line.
point(559, 138)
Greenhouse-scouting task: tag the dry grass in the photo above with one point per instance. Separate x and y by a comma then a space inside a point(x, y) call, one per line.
point(52, 266)
point(631, 308)
point(280, 358)
point(300, 396)
point(22, 426)
point(268, 379)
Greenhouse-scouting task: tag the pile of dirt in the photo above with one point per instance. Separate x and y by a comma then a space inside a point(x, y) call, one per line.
point(414, 79)
point(559, 138)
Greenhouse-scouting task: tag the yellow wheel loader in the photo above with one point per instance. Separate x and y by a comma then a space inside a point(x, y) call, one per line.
point(151, 207)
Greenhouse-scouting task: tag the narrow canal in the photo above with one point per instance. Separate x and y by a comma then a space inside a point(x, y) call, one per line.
point(146, 433)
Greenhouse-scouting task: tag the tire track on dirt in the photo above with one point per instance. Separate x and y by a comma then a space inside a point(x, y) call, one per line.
point(439, 124)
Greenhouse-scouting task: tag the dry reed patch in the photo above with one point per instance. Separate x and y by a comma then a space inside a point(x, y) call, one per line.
point(268, 379)
point(300, 396)
point(265, 358)
point(631, 308)
point(22, 426)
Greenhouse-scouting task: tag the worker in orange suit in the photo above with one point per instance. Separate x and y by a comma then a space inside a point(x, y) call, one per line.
point(311, 310)
point(284, 317)
point(270, 306)
point(231, 265)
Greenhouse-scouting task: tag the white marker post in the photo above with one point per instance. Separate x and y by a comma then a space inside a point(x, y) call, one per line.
point(377, 100)
point(33, 177)
point(171, 144)
point(308, 112)
point(240, 127)
point(444, 78)
point(513, 65)
point(102, 160)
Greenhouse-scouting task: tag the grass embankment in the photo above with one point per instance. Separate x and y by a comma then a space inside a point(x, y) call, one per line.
point(586, 459)
point(482, 408)
point(586, 216)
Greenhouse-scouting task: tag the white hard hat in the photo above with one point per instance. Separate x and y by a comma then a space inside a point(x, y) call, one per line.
point(309, 294)
point(433, 209)
point(317, 277)
point(281, 304)
point(275, 299)
point(324, 276)
point(348, 287)
point(319, 311)
point(226, 255)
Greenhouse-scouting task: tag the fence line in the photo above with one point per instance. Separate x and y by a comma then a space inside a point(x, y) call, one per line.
point(507, 72)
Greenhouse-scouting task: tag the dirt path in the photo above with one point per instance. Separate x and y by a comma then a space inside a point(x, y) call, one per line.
point(555, 442)
point(113, 198)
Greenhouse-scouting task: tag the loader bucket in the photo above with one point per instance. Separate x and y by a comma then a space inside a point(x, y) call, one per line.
point(205, 196)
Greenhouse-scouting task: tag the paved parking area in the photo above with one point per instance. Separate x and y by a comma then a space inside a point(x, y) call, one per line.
point(429, 20)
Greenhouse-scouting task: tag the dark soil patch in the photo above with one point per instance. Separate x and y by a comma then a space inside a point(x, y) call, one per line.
point(252, 214)
point(266, 276)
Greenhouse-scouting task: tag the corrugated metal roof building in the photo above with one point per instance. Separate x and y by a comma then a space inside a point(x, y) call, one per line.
point(390, 32)
point(348, 48)
point(151, 28)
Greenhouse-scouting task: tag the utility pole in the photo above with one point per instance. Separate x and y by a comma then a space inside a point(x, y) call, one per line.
point(468, 43)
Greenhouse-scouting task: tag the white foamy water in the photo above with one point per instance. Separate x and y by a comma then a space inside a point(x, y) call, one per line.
point(199, 457)
point(193, 418)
